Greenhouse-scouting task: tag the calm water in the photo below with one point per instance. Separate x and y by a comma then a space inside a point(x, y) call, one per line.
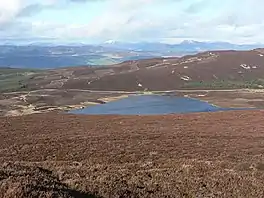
point(150, 104)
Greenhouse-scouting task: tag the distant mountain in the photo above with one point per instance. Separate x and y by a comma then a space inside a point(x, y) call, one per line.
point(185, 46)
point(44, 56)
point(50, 55)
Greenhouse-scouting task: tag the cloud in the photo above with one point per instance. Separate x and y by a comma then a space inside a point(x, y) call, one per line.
point(31, 10)
point(82, 1)
point(8, 10)
point(13, 9)
point(134, 20)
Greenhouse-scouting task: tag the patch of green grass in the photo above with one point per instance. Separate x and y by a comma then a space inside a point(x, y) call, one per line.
point(102, 61)
point(9, 71)
point(13, 79)
point(226, 84)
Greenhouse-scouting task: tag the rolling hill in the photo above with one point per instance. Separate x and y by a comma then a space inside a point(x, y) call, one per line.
point(52, 56)
point(206, 70)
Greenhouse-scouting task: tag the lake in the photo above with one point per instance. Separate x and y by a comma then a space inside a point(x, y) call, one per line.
point(150, 105)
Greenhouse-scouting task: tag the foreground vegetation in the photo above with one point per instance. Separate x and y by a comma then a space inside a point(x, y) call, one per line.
point(63, 155)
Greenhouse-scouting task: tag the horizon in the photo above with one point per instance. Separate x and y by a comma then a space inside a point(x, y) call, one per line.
point(155, 21)
point(55, 42)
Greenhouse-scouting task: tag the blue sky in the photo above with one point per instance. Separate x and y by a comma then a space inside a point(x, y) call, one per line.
point(169, 21)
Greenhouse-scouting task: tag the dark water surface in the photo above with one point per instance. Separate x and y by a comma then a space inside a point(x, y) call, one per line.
point(149, 105)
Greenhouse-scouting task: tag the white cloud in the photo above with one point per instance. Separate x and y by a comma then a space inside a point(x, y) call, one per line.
point(8, 10)
point(143, 20)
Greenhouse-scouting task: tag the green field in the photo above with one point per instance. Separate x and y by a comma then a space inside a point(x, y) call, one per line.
point(226, 84)
point(15, 79)
point(102, 61)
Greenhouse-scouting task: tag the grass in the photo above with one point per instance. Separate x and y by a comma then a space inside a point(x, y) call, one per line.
point(102, 61)
point(226, 84)
point(13, 79)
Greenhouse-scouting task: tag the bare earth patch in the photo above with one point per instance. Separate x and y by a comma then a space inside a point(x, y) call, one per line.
point(48, 100)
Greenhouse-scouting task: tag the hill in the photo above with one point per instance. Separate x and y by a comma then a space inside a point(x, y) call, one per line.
point(207, 70)
point(49, 56)
point(29, 91)
point(195, 155)
point(56, 55)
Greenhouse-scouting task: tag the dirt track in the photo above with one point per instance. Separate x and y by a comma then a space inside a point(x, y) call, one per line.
point(196, 155)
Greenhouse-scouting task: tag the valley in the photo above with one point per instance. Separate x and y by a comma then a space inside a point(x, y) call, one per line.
point(223, 78)
point(48, 151)
point(131, 99)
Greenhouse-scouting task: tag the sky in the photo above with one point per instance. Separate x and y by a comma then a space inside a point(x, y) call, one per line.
point(167, 21)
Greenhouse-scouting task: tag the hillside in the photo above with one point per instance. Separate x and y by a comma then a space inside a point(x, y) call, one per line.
point(27, 91)
point(133, 156)
point(207, 70)
point(193, 155)
point(219, 69)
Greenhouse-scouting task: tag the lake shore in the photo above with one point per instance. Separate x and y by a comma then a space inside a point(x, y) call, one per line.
point(42, 101)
